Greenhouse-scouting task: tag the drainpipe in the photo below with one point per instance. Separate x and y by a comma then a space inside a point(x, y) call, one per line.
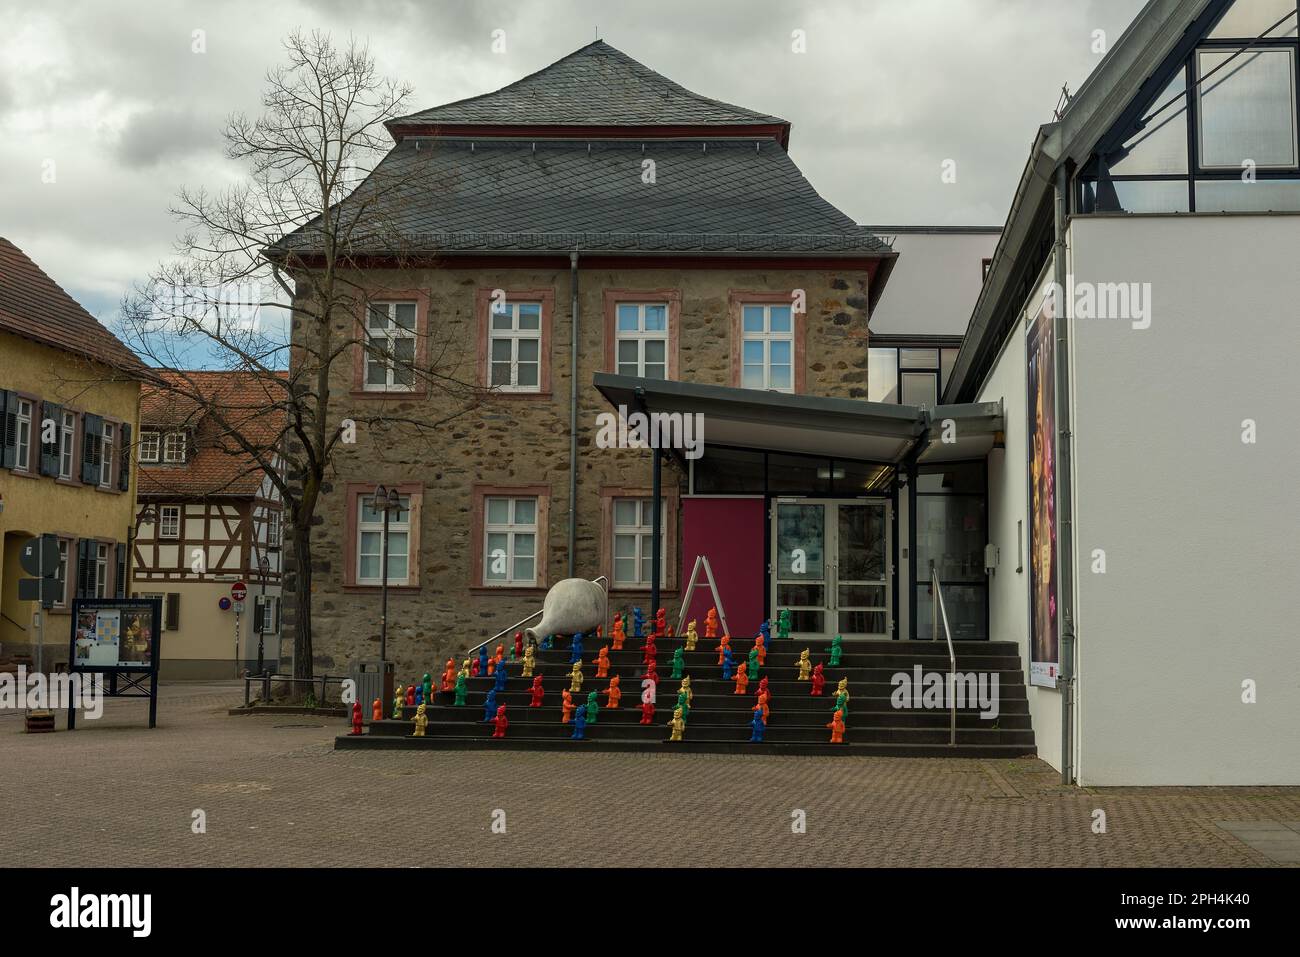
point(573, 417)
point(1064, 480)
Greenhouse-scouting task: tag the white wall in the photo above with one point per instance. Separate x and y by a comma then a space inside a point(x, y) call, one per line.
point(1008, 491)
point(1201, 532)
point(935, 283)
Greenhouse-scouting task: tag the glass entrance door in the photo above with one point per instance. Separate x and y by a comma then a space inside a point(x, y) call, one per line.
point(832, 567)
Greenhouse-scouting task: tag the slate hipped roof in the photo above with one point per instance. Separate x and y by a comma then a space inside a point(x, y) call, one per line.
point(597, 85)
point(34, 306)
point(722, 182)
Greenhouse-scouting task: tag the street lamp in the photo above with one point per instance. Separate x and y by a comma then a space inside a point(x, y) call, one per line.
point(263, 566)
point(388, 501)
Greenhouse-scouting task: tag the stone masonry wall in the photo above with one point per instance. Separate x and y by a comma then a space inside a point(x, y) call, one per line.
point(525, 441)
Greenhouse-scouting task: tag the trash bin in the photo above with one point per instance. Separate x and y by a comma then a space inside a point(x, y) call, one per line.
point(373, 679)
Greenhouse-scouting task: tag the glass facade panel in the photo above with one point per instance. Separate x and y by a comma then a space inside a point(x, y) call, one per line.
point(1161, 145)
point(1248, 19)
point(1235, 196)
point(729, 472)
point(882, 375)
point(1247, 108)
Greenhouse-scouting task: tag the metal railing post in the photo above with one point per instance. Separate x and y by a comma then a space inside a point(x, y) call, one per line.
point(942, 612)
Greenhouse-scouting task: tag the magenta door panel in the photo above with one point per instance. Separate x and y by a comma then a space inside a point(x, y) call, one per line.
point(730, 532)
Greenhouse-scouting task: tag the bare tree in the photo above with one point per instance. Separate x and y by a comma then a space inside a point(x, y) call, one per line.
point(287, 242)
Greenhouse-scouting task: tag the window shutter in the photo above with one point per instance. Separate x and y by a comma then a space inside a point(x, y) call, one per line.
point(124, 473)
point(275, 616)
point(173, 610)
point(257, 616)
point(51, 412)
point(120, 590)
point(92, 426)
point(84, 545)
point(9, 428)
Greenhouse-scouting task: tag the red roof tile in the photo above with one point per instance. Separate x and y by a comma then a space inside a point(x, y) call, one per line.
point(34, 306)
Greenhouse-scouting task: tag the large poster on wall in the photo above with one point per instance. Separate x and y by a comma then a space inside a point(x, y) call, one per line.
point(1040, 352)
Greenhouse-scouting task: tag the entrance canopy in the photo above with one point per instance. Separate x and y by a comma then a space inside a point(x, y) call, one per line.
point(812, 425)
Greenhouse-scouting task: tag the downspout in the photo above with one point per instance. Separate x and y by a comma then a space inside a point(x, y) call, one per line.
point(573, 417)
point(1064, 478)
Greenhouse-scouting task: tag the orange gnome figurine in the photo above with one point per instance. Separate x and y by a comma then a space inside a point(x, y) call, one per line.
point(613, 693)
point(449, 676)
point(761, 645)
point(836, 725)
point(711, 624)
point(723, 645)
point(566, 708)
point(762, 703)
point(602, 663)
point(618, 634)
point(742, 679)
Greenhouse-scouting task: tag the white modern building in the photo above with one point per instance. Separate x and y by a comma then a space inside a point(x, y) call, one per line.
point(1138, 326)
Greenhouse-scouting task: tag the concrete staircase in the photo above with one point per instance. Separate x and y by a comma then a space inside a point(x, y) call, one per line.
point(719, 719)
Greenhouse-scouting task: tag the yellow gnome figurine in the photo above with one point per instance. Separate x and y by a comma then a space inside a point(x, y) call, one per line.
point(464, 668)
point(529, 662)
point(843, 689)
point(690, 695)
point(575, 678)
point(692, 636)
point(805, 665)
point(421, 721)
point(677, 724)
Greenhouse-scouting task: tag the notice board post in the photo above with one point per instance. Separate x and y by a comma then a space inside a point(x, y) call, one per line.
point(117, 639)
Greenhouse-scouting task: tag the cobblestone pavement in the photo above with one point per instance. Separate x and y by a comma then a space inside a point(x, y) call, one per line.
point(276, 793)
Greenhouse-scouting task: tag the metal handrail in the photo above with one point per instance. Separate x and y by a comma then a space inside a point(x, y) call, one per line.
point(937, 605)
point(602, 581)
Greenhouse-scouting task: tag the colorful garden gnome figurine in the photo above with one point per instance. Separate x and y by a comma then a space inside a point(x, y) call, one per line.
point(650, 674)
point(842, 703)
point(678, 725)
point(837, 649)
point(602, 662)
point(500, 723)
point(530, 662)
point(482, 661)
point(638, 623)
point(462, 688)
point(763, 706)
point(619, 635)
point(519, 646)
point(783, 624)
point(428, 688)
point(726, 663)
point(805, 665)
point(818, 681)
point(377, 710)
point(723, 645)
point(766, 630)
point(760, 645)
point(757, 727)
point(836, 724)
point(762, 687)
point(566, 707)
point(537, 693)
point(679, 662)
point(449, 676)
point(575, 648)
point(842, 688)
point(692, 636)
point(421, 722)
point(356, 718)
point(575, 677)
point(548, 642)
point(593, 708)
point(501, 676)
point(742, 678)
point(753, 662)
point(580, 723)
point(419, 695)
point(613, 693)
point(465, 669)
point(683, 703)
point(399, 699)
point(647, 712)
point(686, 686)
point(490, 704)
point(650, 652)
point(711, 624)
point(661, 623)
point(410, 695)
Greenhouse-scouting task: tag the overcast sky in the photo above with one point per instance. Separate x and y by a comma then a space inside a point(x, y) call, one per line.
point(114, 96)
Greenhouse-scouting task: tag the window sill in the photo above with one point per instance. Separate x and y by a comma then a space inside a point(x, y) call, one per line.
point(22, 473)
point(388, 393)
point(376, 589)
point(508, 590)
point(498, 394)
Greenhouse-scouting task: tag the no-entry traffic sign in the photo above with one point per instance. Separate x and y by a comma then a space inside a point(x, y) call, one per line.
point(239, 591)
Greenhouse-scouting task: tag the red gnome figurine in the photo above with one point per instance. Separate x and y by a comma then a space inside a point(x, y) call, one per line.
point(651, 674)
point(711, 624)
point(818, 680)
point(500, 723)
point(410, 696)
point(661, 623)
point(723, 645)
point(537, 692)
point(647, 712)
point(519, 644)
point(836, 724)
point(650, 652)
point(356, 717)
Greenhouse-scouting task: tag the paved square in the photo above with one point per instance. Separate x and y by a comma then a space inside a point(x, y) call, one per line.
point(275, 792)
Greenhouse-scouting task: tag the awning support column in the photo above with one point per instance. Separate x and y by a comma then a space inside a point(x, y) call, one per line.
point(656, 531)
